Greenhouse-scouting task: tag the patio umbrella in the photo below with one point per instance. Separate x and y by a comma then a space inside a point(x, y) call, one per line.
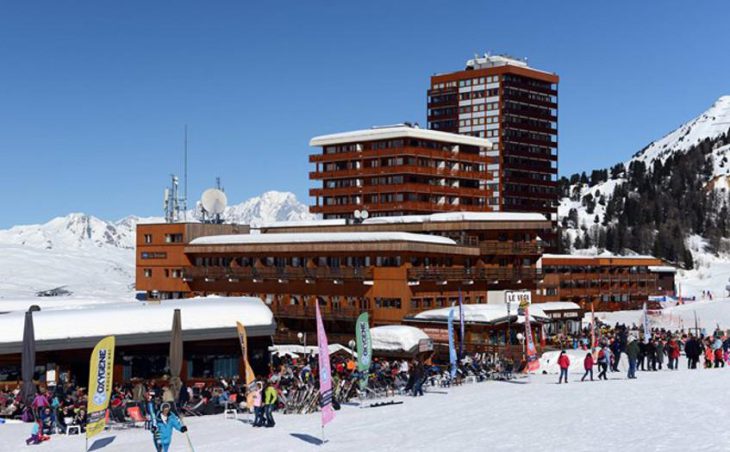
point(28, 358)
point(176, 354)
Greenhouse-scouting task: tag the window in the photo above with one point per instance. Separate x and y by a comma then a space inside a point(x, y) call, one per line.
point(173, 238)
point(148, 238)
point(148, 273)
point(388, 303)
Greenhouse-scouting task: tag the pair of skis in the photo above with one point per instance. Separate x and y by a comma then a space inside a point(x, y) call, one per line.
point(156, 432)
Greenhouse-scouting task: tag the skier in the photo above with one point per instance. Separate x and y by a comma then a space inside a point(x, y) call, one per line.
point(162, 429)
point(632, 351)
point(564, 363)
point(270, 397)
point(588, 366)
point(36, 435)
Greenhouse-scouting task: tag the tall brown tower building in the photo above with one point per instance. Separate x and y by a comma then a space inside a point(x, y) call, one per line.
point(516, 108)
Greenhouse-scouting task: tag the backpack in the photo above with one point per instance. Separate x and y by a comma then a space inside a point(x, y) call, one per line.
point(601, 355)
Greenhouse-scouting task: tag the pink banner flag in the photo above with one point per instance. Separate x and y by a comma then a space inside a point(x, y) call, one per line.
point(325, 377)
point(532, 362)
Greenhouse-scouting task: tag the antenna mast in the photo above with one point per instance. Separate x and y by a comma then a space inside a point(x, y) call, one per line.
point(185, 176)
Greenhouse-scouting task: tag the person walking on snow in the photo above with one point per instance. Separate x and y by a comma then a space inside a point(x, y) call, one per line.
point(166, 423)
point(564, 363)
point(673, 353)
point(632, 351)
point(588, 366)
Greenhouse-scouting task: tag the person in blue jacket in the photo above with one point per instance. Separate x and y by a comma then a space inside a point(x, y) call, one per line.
point(166, 422)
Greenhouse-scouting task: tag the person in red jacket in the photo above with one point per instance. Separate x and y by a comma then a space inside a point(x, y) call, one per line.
point(588, 366)
point(564, 363)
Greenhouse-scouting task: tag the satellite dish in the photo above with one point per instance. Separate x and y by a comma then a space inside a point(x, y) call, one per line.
point(357, 214)
point(364, 214)
point(214, 201)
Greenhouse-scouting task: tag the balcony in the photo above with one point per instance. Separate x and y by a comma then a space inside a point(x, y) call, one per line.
point(231, 274)
point(300, 311)
point(399, 169)
point(510, 248)
point(405, 206)
point(494, 275)
point(428, 189)
point(440, 154)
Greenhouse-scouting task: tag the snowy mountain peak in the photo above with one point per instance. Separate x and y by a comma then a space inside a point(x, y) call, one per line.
point(75, 230)
point(270, 207)
point(79, 230)
point(711, 124)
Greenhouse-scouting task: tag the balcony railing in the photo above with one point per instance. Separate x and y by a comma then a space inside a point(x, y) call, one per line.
point(510, 248)
point(489, 274)
point(211, 274)
point(308, 312)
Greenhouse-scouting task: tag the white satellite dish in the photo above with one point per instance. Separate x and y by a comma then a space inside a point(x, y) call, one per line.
point(357, 214)
point(214, 201)
point(364, 214)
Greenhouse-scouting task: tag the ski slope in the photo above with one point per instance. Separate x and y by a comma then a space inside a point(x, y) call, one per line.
point(667, 411)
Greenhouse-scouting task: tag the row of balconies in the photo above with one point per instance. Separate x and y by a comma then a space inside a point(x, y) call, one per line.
point(475, 174)
point(401, 188)
point(259, 274)
point(440, 154)
point(493, 275)
point(405, 207)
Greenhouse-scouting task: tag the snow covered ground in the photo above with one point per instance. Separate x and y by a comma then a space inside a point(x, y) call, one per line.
point(710, 314)
point(667, 411)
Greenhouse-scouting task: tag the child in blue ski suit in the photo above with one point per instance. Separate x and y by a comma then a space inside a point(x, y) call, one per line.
point(166, 422)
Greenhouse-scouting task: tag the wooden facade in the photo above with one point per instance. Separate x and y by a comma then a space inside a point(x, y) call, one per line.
point(389, 279)
point(606, 283)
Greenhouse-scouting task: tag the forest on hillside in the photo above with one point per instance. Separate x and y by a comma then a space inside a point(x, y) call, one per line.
point(652, 210)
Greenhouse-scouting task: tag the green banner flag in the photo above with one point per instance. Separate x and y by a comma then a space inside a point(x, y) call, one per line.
point(364, 348)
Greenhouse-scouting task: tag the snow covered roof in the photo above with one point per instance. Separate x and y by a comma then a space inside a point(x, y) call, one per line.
point(582, 256)
point(305, 223)
point(556, 306)
point(297, 350)
point(662, 269)
point(321, 237)
point(138, 323)
point(476, 313)
point(398, 131)
point(395, 338)
point(458, 216)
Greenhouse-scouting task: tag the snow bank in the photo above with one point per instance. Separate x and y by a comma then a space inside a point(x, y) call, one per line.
point(396, 337)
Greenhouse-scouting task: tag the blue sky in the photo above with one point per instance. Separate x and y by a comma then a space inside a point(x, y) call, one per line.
point(94, 95)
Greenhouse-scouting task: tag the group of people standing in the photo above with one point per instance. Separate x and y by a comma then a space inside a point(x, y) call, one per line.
point(649, 353)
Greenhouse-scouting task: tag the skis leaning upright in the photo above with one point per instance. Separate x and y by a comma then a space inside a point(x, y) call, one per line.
point(153, 420)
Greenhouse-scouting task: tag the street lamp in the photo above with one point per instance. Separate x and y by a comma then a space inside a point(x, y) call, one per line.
point(521, 339)
point(302, 338)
